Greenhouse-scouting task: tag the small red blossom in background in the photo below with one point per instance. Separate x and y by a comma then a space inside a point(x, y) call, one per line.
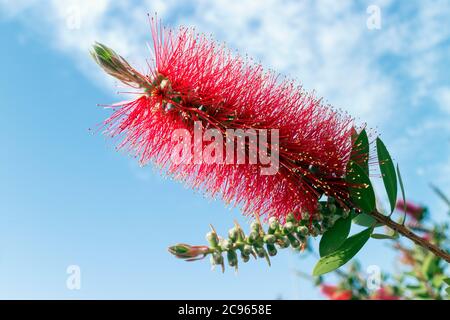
point(417, 274)
point(383, 294)
point(334, 293)
point(192, 78)
point(413, 210)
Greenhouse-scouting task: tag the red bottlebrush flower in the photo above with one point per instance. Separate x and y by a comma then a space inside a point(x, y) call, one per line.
point(193, 79)
point(413, 210)
point(334, 293)
point(384, 294)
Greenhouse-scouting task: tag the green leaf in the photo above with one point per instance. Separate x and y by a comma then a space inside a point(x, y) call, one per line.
point(447, 281)
point(365, 220)
point(440, 194)
point(438, 280)
point(429, 265)
point(401, 188)
point(360, 187)
point(360, 151)
point(341, 256)
point(381, 236)
point(333, 238)
point(448, 290)
point(388, 172)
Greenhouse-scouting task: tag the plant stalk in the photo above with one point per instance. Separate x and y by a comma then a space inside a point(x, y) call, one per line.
point(404, 231)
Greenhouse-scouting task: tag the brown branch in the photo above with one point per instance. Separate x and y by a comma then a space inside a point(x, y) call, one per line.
point(404, 231)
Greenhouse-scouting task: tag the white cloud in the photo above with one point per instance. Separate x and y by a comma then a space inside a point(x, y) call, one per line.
point(323, 44)
point(443, 99)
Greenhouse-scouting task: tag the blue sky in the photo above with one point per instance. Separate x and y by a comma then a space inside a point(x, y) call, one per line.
point(68, 198)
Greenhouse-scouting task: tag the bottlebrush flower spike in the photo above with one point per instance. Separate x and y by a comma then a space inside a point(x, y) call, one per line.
point(195, 80)
point(413, 210)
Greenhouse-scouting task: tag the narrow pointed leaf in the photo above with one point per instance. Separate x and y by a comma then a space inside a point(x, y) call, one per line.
point(381, 236)
point(341, 256)
point(361, 190)
point(334, 237)
point(440, 194)
point(360, 151)
point(402, 189)
point(388, 172)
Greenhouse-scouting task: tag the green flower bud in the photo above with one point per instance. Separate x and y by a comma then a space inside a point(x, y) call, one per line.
point(269, 238)
point(260, 251)
point(273, 225)
point(118, 67)
point(233, 234)
point(271, 250)
point(302, 230)
point(185, 251)
point(255, 226)
point(244, 257)
point(253, 236)
point(247, 250)
point(283, 242)
point(288, 227)
point(305, 216)
point(301, 238)
point(225, 245)
point(291, 218)
point(294, 242)
point(212, 239)
point(315, 231)
point(232, 258)
point(217, 258)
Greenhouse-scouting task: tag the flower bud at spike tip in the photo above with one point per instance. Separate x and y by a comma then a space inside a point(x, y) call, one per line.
point(185, 251)
point(116, 66)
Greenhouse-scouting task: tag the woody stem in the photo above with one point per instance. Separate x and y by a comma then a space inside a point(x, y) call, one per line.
point(404, 231)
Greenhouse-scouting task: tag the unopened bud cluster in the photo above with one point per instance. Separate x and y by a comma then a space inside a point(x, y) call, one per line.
point(259, 243)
